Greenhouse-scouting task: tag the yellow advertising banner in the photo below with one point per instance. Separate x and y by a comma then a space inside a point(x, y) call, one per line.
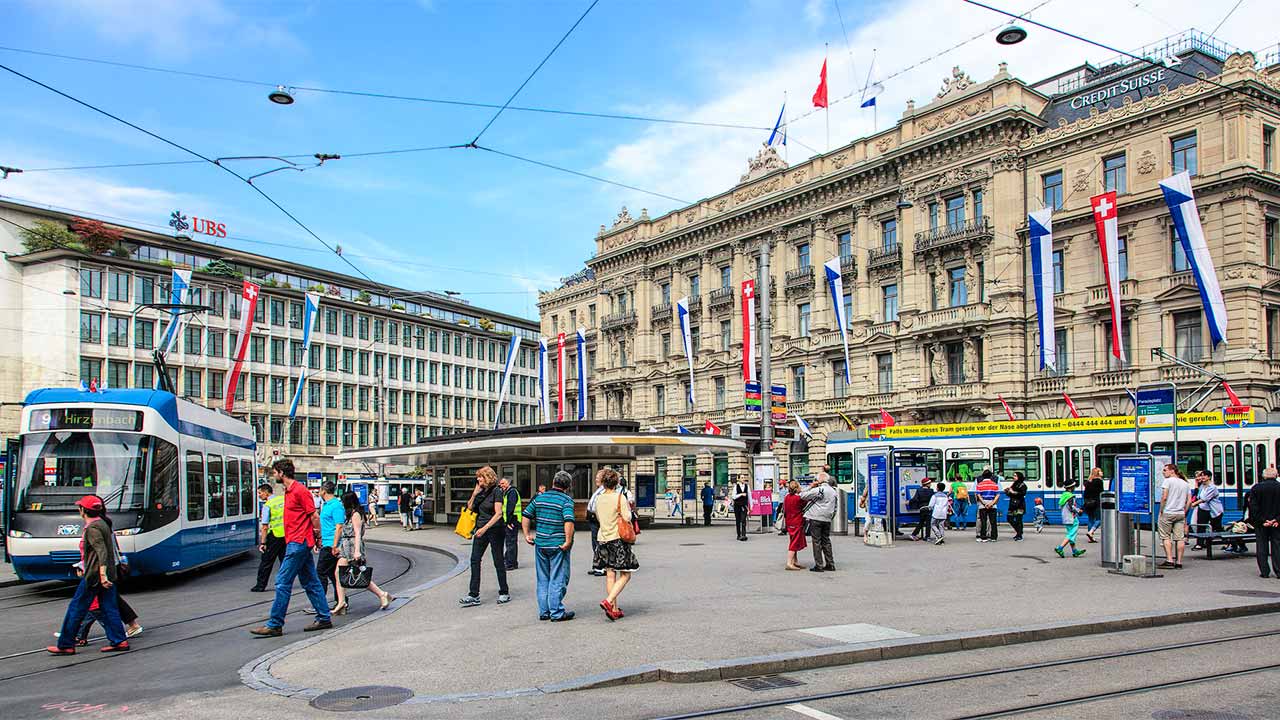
point(1017, 427)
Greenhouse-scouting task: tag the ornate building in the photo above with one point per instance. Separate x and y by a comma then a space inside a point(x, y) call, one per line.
point(928, 220)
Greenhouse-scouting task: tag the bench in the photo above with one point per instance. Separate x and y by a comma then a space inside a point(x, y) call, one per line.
point(1209, 539)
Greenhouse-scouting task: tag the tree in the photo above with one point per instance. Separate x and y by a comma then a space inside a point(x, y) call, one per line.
point(97, 236)
point(222, 268)
point(364, 297)
point(48, 236)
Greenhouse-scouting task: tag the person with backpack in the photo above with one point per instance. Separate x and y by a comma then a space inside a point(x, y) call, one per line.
point(920, 503)
point(960, 503)
point(512, 512)
point(1070, 519)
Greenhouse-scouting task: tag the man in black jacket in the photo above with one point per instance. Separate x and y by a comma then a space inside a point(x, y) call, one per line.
point(1264, 511)
point(920, 501)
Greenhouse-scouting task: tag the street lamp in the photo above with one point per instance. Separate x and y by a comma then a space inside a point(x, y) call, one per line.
point(280, 96)
point(1011, 35)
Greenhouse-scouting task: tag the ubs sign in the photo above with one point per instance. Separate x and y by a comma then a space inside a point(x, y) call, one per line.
point(1128, 85)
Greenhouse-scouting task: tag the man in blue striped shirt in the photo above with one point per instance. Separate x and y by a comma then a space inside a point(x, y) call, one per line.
point(548, 527)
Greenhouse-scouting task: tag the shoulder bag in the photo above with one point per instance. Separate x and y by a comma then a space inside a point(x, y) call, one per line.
point(466, 526)
point(356, 574)
point(627, 531)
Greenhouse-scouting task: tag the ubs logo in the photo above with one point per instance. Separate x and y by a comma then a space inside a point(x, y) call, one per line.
point(68, 529)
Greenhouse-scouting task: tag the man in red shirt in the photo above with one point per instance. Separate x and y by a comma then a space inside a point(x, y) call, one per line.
point(300, 522)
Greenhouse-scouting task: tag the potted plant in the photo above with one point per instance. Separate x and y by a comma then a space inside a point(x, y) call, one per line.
point(364, 297)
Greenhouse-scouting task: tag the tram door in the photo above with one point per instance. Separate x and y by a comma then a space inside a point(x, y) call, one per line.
point(1237, 465)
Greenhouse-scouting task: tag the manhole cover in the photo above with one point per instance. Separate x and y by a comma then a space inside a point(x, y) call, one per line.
point(692, 544)
point(1196, 715)
point(766, 682)
point(357, 699)
point(1251, 593)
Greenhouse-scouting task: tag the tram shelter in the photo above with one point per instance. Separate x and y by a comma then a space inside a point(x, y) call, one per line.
point(531, 456)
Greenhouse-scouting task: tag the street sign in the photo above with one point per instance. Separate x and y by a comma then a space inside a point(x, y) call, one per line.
point(1155, 407)
point(1136, 474)
point(878, 485)
point(778, 398)
point(753, 396)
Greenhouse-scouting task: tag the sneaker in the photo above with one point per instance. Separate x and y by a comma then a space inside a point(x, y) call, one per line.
point(504, 599)
point(134, 631)
point(122, 647)
point(815, 568)
point(257, 589)
point(1078, 553)
point(939, 541)
point(979, 539)
point(469, 601)
point(55, 650)
point(567, 616)
point(1058, 550)
point(317, 625)
point(267, 631)
point(1166, 565)
point(544, 617)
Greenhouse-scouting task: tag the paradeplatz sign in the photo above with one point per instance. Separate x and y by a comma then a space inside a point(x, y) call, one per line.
point(1019, 427)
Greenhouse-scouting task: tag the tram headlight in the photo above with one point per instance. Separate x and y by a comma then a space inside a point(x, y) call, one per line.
point(128, 531)
point(19, 534)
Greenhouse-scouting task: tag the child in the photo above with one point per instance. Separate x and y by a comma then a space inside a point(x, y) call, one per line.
point(939, 511)
point(1039, 518)
point(1070, 518)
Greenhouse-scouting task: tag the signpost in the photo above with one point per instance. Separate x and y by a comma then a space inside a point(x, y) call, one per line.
point(1136, 485)
point(753, 396)
point(778, 404)
point(1154, 406)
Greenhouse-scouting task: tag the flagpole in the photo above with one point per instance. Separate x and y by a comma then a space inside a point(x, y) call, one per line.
point(786, 152)
point(826, 109)
point(875, 108)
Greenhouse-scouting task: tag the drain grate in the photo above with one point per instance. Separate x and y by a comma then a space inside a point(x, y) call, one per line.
point(692, 544)
point(1196, 715)
point(358, 699)
point(766, 682)
point(1252, 593)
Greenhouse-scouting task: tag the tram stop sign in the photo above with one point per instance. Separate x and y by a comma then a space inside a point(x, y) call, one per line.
point(1136, 474)
point(1155, 407)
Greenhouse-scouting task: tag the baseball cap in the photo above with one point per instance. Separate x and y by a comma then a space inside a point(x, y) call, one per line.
point(90, 502)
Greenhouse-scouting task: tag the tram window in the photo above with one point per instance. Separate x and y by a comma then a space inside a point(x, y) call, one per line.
point(232, 492)
point(246, 485)
point(966, 469)
point(1217, 463)
point(1106, 456)
point(1246, 456)
point(1048, 468)
point(195, 486)
point(1088, 462)
point(213, 481)
point(1023, 460)
point(1229, 463)
point(1262, 458)
point(1059, 469)
point(1075, 465)
point(164, 482)
point(841, 467)
point(1191, 455)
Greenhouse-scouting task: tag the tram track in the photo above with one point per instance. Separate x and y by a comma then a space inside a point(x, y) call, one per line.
point(409, 567)
point(996, 672)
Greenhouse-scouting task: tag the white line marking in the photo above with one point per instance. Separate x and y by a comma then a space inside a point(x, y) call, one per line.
point(815, 714)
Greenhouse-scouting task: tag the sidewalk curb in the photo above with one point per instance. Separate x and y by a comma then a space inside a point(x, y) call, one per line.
point(256, 673)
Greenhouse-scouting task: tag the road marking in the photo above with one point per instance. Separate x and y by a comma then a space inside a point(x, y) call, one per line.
point(815, 714)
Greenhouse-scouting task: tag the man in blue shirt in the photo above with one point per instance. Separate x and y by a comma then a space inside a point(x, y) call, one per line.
point(708, 502)
point(331, 515)
point(550, 515)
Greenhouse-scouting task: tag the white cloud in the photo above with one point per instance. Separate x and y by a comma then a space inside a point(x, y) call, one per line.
point(77, 192)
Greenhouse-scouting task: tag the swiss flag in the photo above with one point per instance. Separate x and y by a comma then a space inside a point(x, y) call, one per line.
point(1235, 399)
point(712, 429)
point(885, 417)
point(1071, 406)
point(820, 95)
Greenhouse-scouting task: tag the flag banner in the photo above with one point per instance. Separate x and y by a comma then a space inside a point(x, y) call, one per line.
point(544, 401)
point(248, 306)
point(749, 332)
point(754, 401)
point(820, 95)
point(710, 428)
point(836, 285)
point(848, 422)
point(1007, 410)
point(682, 430)
point(779, 133)
point(310, 311)
point(582, 373)
point(682, 312)
point(1071, 406)
point(506, 378)
point(1105, 221)
point(560, 377)
point(1235, 399)
point(870, 94)
point(1186, 221)
point(885, 418)
point(803, 426)
point(1040, 225)
point(180, 286)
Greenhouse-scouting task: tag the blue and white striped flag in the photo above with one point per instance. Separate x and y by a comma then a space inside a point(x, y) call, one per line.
point(1181, 200)
point(836, 285)
point(544, 403)
point(682, 312)
point(1041, 231)
point(682, 430)
point(803, 426)
point(310, 311)
point(779, 134)
point(870, 94)
point(179, 288)
point(506, 378)
point(582, 373)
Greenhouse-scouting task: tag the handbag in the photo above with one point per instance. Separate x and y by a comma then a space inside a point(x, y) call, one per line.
point(466, 526)
point(780, 524)
point(356, 575)
point(627, 531)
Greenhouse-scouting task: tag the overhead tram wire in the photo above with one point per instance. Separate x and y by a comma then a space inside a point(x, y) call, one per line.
point(580, 174)
point(1227, 17)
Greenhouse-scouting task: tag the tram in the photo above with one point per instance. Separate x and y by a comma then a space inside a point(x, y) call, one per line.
point(178, 480)
point(1051, 452)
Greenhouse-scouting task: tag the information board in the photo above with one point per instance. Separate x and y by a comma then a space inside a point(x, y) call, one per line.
point(761, 502)
point(778, 398)
point(1136, 474)
point(878, 485)
point(1155, 407)
point(753, 396)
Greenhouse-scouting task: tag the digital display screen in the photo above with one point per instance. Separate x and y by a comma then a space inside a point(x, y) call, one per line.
point(86, 419)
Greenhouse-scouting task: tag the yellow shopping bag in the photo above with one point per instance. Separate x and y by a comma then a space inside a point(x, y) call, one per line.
point(466, 526)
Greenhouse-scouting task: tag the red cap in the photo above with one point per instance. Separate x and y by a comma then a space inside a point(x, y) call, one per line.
point(90, 502)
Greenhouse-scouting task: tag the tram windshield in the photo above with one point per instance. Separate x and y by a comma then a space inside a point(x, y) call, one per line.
point(60, 467)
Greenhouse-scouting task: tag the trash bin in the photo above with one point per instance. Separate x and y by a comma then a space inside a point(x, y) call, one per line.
point(1117, 533)
point(840, 523)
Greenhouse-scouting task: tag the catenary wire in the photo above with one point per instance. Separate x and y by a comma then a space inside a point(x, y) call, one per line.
point(1226, 17)
point(579, 174)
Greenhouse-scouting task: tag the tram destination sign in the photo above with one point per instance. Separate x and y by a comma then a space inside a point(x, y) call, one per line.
point(86, 419)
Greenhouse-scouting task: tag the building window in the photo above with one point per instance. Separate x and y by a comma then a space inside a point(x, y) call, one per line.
point(889, 304)
point(622, 353)
point(1051, 185)
point(720, 394)
point(726, 278)
point(1122, 244)
point(664, 294)
point(959, 293)
point(695, 287)
point(955, 212)
point(277, 351)
point(258, 389)
point(884, 372)
point(90, 283)
point(1187, 338)
point(90, 327)
point(144, 334)
point(118, 333)
point(977, 205)
point(802, 256)
point(119, 287)
point(1180, 262)
point(193, 337)
point(144, 377)
point(726, 335)
point(257, 349)
point(1273, 332)
point(117, 374)
point(348, 325)
point(844, 242)
point(1268, 147)
point(802, 324)
point(1113, 362)
point(847, 301)
point(192, 383)
point(660, 401)
point(1062, 358)
point(838, 385)
point(889, 234)
point(146, 289)
point(797, 383)
point(1114, 174)
point(1184, 153)
point(1059, 275)
point(955, 363)
point(688, 396)
point(1271, 237)
point(933, 216)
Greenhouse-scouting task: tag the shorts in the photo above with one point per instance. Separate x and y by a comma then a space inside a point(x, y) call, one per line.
point(1173, 527)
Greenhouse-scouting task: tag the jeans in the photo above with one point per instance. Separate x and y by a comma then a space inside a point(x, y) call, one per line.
point(511, 553)
point(987, 527)
point(79, 607)
point(939, 526)
point(297, 564)
point(1094, 513)
point(273, 552)
point(1015, 522)
point(1268, 549)
point(494, 539)
point(740, 519)
point(553, 580)
point(406, 521)
point(962, 514)
point(127, 616)
point(820, 533)
point(922, 525)
point(706, 514)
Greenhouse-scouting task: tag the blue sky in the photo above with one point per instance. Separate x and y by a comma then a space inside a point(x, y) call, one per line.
point(492, 228)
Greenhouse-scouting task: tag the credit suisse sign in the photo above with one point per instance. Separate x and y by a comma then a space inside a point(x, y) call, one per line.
point(1128, 85)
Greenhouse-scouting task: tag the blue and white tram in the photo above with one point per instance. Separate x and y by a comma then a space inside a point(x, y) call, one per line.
point(178, 480)
point(1051, 452)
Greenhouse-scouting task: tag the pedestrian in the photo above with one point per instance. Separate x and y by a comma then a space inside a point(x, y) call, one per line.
point(960, 502)
point(1040, 517)
point(708, 502)
point(673, 507)
point(512, 509)
point(548, 527)
point(741, 501)
point(419, 509)
point(270, 535)
point(1093, 502)
point(1173, 516)
point(594, 524)
point(331, 516)
point(939, 511)
point(1017, 493)
point(819, 511)
point(1208, 504)
point(373, 507)
point(98, 572)
point(920, 503)
point(404, 506)
point(988, 511)
point(486, 503)
point(300, 522)
point(1264, 512)
point(793, 515)
point(350, 533)
point(1070, 519)
point(613, 554)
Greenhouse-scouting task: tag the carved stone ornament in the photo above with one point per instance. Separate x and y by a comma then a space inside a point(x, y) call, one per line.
point(623, 218)
point(839, 161)
point(957, 83)
point(1007, 160)
point(884, 143)
point(970, 360)
point(1146, 162)
point(1081, 181)
point(954, 115)
point(950, 178)
point(765, 162)
point(938, 364)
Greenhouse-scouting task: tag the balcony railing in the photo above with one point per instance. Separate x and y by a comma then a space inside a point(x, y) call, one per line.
point(720, 297)
point(800, 280)
point(953, 316)
point(950, 234)
point(1098, 293)
point(888, 256)
point(695, 304)
point(848, 264)
point(889, 328)
point(619, 321)
point(660, 313)
point(951, 393)
point(1049, 386)
point(1113, 379)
